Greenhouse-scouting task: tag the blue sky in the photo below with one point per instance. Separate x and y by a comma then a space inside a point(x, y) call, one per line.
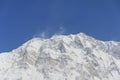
point(20, 20)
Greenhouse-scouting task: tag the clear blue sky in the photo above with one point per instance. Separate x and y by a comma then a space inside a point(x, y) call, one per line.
point(20, 20)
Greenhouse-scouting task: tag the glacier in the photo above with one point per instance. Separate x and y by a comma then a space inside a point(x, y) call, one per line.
point(62, 57)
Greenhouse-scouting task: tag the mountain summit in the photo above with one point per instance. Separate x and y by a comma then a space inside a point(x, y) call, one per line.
point(61, 57)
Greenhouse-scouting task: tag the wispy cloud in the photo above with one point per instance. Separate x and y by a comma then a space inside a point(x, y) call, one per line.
point(48, 32)
point(41, 35)
point(60, 31)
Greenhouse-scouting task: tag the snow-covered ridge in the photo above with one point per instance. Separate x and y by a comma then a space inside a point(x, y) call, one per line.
point(62, 57)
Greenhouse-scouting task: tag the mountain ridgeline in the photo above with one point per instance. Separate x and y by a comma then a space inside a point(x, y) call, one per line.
point(62, 57)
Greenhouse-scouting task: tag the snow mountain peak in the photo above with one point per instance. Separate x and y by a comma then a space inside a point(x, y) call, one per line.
point(62, 57)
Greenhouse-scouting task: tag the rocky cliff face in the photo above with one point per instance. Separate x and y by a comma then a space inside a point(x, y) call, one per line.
point(72, 57)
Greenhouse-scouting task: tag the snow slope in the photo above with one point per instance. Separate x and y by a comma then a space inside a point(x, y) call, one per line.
point(71, 57)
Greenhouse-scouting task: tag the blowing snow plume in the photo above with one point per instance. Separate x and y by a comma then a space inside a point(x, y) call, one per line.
point(48, 32)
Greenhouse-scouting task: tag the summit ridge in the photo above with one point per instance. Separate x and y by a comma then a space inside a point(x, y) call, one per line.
point(62, 57)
